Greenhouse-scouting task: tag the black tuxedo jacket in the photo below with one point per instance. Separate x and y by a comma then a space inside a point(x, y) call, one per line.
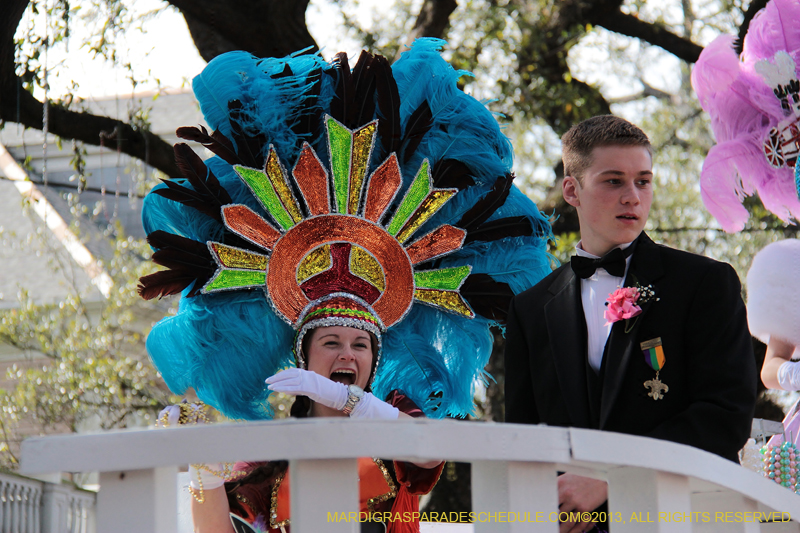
point(709, 366)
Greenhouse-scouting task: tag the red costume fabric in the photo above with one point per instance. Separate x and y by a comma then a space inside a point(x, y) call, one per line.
point(388, 491)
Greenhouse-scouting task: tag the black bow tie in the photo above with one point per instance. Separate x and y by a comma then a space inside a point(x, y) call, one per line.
point(613, 262)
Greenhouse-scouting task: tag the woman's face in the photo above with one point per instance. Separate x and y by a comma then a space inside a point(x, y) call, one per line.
point(341, 353)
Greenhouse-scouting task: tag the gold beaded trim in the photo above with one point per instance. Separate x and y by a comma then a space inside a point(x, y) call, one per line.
point(190, 413)
point(273, 505)
point(372, 502)
point(227, 473)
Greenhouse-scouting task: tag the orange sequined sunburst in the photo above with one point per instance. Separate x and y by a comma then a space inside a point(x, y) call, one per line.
point(344, 244)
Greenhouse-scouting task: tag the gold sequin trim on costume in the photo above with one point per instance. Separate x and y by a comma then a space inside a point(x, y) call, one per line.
point(372, 502)
point(363, 141)
point(450, 300)
point(277, 176)
point(273, 505)
point(231, 257)
point(319, 260)
point(366, 267)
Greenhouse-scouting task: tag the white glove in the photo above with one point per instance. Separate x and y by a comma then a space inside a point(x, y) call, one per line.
point(182, 414)
point(207, 476)
point(299, 382)
point(371, 407)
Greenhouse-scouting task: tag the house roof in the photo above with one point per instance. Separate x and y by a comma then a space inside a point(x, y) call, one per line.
point(51, 236)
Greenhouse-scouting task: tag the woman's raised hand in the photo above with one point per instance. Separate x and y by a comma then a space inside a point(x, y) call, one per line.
point(299, 382)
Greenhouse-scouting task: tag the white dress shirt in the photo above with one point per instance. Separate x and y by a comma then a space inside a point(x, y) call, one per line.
point(594, 292)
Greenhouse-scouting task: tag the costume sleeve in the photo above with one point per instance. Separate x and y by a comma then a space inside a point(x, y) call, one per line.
point(721, 369)
point(520, 402)
point(417, 480)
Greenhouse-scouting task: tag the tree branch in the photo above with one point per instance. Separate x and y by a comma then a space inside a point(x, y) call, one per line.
point(432, 21)
point(754, 7)
point(265, 28)
point(18, 105)
point(654, 34)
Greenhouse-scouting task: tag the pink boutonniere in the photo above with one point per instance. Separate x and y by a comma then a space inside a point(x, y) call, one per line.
point(623, 304)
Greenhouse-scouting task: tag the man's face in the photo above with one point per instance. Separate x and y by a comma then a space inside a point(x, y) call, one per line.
point(614, 201)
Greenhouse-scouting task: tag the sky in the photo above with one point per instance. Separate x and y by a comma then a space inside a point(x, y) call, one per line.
point(162, 54)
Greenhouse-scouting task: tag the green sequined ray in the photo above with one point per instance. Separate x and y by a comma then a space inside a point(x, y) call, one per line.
point(340, 142)
point(259, 183)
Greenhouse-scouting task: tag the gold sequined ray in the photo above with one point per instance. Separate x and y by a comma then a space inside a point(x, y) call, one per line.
point(319, 260)
point(231, 257)
point(363, 141)
point(449, 300)
point(238, 269)
point(430, 205)
point(277, 176)
point(366, 267)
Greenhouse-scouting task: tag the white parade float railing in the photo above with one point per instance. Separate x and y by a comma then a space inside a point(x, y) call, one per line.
point(654, 486)
point(34, 506)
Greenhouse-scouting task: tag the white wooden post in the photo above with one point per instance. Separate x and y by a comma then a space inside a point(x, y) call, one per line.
point(514, 497)
point(320, 491)
point(134, 501)
point(55, 501)
point(722, 507)
point(649, 501)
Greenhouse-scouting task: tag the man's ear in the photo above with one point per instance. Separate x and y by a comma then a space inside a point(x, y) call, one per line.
point(569, 189)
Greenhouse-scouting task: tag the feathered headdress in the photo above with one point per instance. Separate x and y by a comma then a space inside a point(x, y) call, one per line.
point(378, 198)
point(754, 103)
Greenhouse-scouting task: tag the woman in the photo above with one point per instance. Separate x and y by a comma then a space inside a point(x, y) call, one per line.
point(338, 357)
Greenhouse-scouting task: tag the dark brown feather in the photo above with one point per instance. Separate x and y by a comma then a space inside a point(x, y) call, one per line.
point(250, 148)
point(486, 206)
point(452, 174)
point(389, 127)
point(419, 123)
point(206, 194)
point(166, 283)
point(188, 261)
point(216, 142)
point(488, 298)
point(501, 228)
point(364, 85)
point(343, 95)
point(196, 253)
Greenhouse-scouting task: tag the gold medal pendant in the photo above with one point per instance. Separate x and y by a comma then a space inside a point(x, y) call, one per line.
point(654, 357)
point(656, 388)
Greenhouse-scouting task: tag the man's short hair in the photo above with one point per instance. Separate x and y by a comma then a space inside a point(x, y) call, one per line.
point(603, 130)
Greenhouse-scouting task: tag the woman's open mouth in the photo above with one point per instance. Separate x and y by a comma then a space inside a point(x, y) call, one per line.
point(345, 375)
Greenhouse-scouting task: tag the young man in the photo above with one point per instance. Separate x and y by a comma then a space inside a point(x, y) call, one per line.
point(682, 369)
